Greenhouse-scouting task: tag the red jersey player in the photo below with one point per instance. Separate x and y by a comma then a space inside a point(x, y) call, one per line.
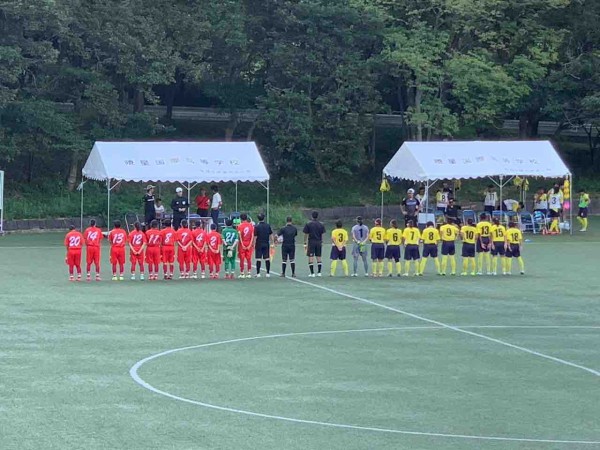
point(137, 246)
point(74, 242)
point(168, 249)
point(199, 249)
point(92, 237)
point(154, 238)
point(214, 242)
point(184, 249)
point(246, 231)
point(117, 239)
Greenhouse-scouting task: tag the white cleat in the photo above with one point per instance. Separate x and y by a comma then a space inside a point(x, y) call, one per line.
point(312, 275)
point(480, 273)
point(257, 275)
point(268, 275)
point(142, 277)
point(203, 275)
point(132, 277)
point(354, 274)
point(319, 274)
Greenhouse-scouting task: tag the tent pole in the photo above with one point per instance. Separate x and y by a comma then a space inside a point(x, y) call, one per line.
point(381, 215)
point(81, 212)
point(571, 204)
point(268, 199)
point(426, 198)
point(108, 204)
point(501, 187)
point(236, 196)
point(188, 209)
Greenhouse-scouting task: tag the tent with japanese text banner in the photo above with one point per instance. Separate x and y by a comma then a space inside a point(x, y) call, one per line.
point(500, 161)
point(187, 163)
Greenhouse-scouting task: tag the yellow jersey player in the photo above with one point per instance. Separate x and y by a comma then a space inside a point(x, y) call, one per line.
point(514, 239)
point(498, 232)
point(449, 233)
point(411, 237)
point(377, 238)
point(393, 237)
point(468, 234)
point(555, 202)
point(339, 237)
point(582, 214)
point(431, 238)
point(484, 242)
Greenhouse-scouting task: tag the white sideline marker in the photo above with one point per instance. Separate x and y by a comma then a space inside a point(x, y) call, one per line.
point(450, 327)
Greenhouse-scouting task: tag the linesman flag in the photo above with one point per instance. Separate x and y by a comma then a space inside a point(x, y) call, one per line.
point(385, 185)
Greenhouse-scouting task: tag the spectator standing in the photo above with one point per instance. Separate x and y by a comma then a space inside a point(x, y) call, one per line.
point(410, 207)
point(149, 199)
point(159, 208)
point(215, 205)
point(490, 200)
point(202, 203)
point(313, 243)
point(180, 206)
point(422, 197)
point(540, 201)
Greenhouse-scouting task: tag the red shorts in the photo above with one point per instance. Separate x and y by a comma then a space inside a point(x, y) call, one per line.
point(245, 254)
point(199, 257)
point(214, 258)
point(168, 255)
point(92, 255)
point(153, 255)
point(136, 259)
point(184, 256)
point(74, 257)
point(117, 255)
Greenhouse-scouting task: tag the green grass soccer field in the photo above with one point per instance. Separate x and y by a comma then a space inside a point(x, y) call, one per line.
point(332, 363)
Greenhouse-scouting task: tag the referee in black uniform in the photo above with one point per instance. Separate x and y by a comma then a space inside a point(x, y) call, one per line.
point(263, 235)
point(313, 243)
point(287, 237)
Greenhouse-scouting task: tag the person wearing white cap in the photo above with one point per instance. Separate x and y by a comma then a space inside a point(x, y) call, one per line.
point(180, 206)
point(149, 213)
point(410, 207)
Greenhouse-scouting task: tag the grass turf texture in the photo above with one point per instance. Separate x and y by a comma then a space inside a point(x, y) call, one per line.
point(67, 350)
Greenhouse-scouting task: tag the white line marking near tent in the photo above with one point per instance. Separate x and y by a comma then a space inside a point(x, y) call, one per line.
point(133, 372)
point(450, 327)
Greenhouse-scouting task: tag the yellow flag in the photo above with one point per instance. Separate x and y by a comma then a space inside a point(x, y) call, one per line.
point(385, 185)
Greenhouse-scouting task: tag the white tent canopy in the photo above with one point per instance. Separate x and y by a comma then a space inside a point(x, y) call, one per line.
point(428, 162)
point(422, 161)
point(187, 163)
point(184, 162)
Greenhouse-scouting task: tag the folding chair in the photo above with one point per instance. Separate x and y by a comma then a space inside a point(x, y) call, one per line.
point(540, 222)
point(527, 223)
point(130, 219)
point(469, 214)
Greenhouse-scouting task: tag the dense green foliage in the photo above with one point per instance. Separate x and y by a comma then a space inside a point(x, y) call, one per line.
point(75, 71)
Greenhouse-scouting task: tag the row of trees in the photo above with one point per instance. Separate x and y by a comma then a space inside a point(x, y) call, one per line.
point(316, 69)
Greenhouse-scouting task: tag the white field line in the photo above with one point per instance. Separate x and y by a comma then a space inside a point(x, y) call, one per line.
point(450, 327)
point(133, 372)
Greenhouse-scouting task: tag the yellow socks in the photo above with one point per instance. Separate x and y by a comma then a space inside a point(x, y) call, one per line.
point(398, 267)
point(521, 264)
point(488, 261)
point(554, 228)
point(390, 268)
point(453, 264)
point(333, 266)
point(480, 261)
point(345, 267)
point(423, 265)
point(473, 266)
point(465, 265)
point(437, 264)
point(407, 267)
point(381, 265)
point(495, 265)
point(444, 263)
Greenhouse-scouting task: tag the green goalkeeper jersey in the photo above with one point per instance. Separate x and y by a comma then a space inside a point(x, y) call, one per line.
point(230, 237)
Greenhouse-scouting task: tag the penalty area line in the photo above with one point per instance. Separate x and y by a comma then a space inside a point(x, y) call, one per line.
point(450, 327)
